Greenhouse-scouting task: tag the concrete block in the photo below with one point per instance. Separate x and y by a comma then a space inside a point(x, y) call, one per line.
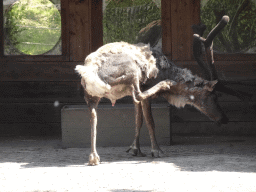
point(116, 125)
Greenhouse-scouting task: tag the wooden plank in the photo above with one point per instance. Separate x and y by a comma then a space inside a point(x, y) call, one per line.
point(38, 71)
point(235, 111)
point(65, 23)
point(166, 28)
point(209, 128)
point(96, 27)
point(227, 70)
point(195, 11)
point(30, 129)
point(235, 57)
point(64, 71)
point(41, 92)
point(244, 86)
point(30, 113)
point(33, 58)
point(79, 29)
point(1, 31)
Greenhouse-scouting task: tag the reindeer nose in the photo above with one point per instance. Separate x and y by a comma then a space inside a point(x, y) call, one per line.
point(223, 120)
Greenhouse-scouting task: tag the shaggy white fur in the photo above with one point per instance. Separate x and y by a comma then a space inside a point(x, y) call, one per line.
point(139, 53)
point(94, 85)
point(177, 101)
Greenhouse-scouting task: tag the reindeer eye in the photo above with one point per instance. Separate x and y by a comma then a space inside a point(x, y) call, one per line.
point(192, 97)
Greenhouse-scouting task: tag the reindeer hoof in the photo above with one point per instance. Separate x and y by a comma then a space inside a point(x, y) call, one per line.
point(156, 153)
point(170, 82)
point(94, 159)
point(167, 84)
point(136, 152)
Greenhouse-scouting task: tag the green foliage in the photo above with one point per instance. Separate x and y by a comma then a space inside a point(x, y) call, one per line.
point(11, 27)
point(122, 20)
point(127, 3)
point(34, 26)
point(240, 34)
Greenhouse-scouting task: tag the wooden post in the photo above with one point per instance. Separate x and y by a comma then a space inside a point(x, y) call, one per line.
point(96, 28)
point(1, 30)
point(79, 29)
point(184, 13)
point(166, 28)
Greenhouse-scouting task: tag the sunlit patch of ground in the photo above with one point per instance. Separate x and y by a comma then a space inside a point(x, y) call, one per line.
point(225, 165)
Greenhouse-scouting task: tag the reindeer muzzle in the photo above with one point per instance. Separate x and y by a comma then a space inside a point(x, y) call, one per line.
point(223, 120)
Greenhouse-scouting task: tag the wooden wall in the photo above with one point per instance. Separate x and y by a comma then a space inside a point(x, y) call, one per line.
point(31, 86)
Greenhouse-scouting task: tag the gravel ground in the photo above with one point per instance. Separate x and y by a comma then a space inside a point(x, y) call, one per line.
point(192, 164)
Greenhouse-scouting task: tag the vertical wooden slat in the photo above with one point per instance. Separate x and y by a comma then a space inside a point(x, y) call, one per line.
point(185, 13)
point(166, 27)
point(180, 29)
point(79, 29)
point(96, 28)
point(196, 11)
point(64, 27)
point(1, 30)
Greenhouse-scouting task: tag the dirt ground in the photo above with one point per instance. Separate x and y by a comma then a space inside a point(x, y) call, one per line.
point(191, 164)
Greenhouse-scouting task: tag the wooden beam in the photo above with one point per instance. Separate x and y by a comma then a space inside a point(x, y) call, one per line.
point(227, 70)
point(65, 27)
point(185, 13)
point(96, 27)
point(38, 71)
point(79, 29)
point(64, 71)
point(166, 27)
point(1, 30)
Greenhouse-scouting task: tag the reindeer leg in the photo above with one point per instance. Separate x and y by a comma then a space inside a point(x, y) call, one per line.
point(146, 108)
point(161, 86)
point(135, 147)
point(92, 103)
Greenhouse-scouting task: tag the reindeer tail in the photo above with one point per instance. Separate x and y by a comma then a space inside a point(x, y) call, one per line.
point(94, 84)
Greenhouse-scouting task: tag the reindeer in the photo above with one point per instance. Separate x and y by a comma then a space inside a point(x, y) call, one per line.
point(114, 71)
point(120, 69)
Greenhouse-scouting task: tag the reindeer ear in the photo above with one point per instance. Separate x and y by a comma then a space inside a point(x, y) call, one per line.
point(211, 84)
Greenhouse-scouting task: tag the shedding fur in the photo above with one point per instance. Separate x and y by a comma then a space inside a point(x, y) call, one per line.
point(139, 53)
point(118, 64)
point(89, 74)
point(168, 70)
point(177, 101)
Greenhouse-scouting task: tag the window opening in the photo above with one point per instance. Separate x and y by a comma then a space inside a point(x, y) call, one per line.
point(132, 21)
point(32, 27)
point(239, 36)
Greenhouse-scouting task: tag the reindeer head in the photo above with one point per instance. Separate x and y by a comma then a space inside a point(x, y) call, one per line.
point(204, 98)
point(209, 71)
point(200, 94)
